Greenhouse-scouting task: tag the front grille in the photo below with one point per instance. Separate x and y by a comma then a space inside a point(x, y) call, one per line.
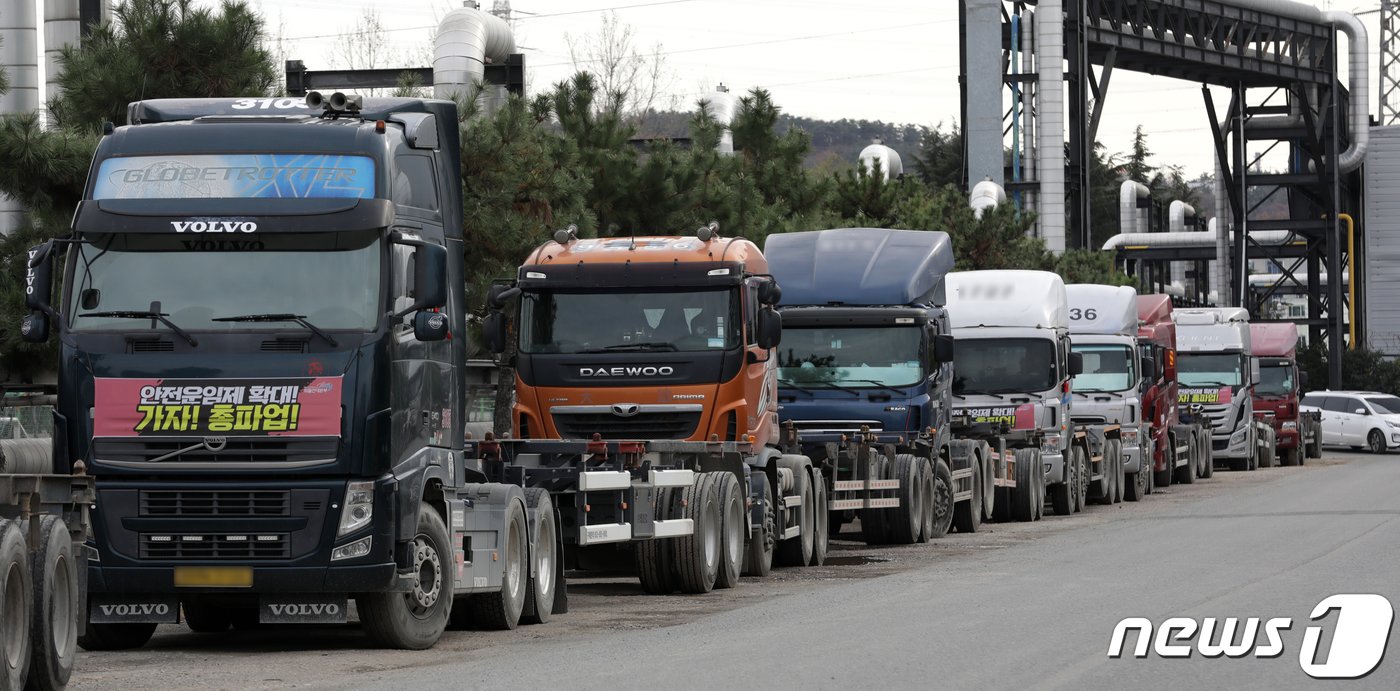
point(152, 346)
point(1219, 416)
point(647, 425)
point(255, 450)
point(228, 503)
point(843, 426)
point(283, 346)
point(1089, 419)
point(166, 546)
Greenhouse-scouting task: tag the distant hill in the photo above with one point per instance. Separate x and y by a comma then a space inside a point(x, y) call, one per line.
point(835, 143)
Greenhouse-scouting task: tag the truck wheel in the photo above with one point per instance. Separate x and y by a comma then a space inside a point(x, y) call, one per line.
point(1205, 446)
point(414, 620)
point(16, 601)
point(1375, 442)
point(942, 505)
point(821, 540)
point(544, 557)
point(1037, 481)
point(732, 528)
point(205, 618)
point(873, 523)
point(797, 551)
point(1315, 446)
point(654, 556)
point(1024, 499)
point(1161, 479)
point(1119, 475)
point(967, 515)
point(697, 554)
point(1081, 498)
point(906, 521)
point(56, 597)
point(928, 522)
point(1289, 457)
point(989, 488)
point(115, 636)
point(758, 559)
point(1186, 474)
point(1060, 497)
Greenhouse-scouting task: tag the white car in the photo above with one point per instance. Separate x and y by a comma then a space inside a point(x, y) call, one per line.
point(1357, 418)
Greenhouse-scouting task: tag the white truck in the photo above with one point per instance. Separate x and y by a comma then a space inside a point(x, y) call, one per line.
point(1012, 367)
point(1103, 324)
point(1216, 370)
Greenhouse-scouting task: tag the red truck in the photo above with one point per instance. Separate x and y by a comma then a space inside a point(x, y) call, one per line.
point(1275, 346)
point(1180, 449)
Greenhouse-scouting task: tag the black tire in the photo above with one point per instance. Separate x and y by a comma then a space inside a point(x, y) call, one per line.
point(654, 563)
point(989, 488)
point(1028, 493)
point(942, 506)
point(1375, 442)
point(1186, 475)
point(758, 558)
point(54, 634)
point(928, 522)
point(906, 521)
point(697, 554)
point(732, 527)
point(1162, 479)
point(874, 524)
point(821, 540)
point(1314, 448)
point(115, 636)
point(1081, 484)
point(1241, 464)
point(797, 551)
point(545, 559)
point(1288, 457)
point(1207, 450)
point(415, 620)
point(967, 516)
point(1116, 449)
point(1062, 493)
point(202, 617)
point(16, 604)
point(1037, 466)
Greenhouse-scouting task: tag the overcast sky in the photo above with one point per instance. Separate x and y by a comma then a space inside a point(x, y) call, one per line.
point(891, 60)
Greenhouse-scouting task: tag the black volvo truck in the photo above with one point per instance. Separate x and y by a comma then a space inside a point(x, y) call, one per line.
point(263, 352)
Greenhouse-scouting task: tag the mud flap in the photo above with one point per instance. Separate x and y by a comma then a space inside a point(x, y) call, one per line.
point(307, 608)
point(134, 609)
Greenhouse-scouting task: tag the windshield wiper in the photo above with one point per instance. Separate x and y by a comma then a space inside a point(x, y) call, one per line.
point(622, 347)
point(1206, 383)
point(144, 314)
point(792, 384)
point(967, 392)
point(281, 317)
point(879, 384)
point(838, 387)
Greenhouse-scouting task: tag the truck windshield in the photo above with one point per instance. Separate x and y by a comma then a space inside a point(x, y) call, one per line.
point(1012, 365)
point(1106, 368)
point(1209, 369)
point(1275, 380)
point(330, 279)
point(621, 321)
point(859, 357)
point(1384, 404)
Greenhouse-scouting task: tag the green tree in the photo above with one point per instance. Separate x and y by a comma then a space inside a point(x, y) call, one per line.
point(1090, 266)
point(940, 158)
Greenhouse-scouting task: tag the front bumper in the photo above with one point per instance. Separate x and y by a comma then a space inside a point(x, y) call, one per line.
point(1286, 438)
point(1132, 459)
point(1054, 464)
point(1227, 448)
point(364, 578)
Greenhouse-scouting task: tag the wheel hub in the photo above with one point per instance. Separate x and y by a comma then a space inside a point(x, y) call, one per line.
point(427, 588)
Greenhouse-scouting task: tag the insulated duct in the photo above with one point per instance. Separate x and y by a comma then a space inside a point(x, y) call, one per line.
point(1131, 217)
point(468, 39)
point(891, 167)
point(1050, 51)
point(986, 195)
point(1213, 266)
point(1177, 213)
point(1220, 271)
point(722, 106)
point(19, 57)
point(63, 28)
point(1193, 239)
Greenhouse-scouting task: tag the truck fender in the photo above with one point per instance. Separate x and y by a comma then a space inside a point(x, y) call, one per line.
point(757, 482)
point(479, 513)
point(413, 474)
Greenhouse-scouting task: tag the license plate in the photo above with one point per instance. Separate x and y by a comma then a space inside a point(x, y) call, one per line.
point(213, 577)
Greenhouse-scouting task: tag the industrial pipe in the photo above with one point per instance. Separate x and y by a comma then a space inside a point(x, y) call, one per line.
point(1132, 219)
point(1193, 239)
point(19, 58)
point(1351, 285)
point(467, 40)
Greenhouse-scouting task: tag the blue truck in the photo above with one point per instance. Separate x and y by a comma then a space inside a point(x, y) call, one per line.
point(864, 380)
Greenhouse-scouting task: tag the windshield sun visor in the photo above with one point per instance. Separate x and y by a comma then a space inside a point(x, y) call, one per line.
point(232, 217)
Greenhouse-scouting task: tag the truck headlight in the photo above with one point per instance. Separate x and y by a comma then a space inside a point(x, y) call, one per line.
point(1290, 424)
point(1050, 444)
point(1130, 437)
point(358, 509)
point(1239, 435)
point(358, 548)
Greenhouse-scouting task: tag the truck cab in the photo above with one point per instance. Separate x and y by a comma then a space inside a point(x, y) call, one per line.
point(1216, 370)
point(1280, 386)
point(256, 304)
point(1103, 325)
point(1014, 363)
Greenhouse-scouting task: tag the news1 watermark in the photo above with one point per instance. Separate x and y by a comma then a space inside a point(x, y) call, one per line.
point(1360, 631)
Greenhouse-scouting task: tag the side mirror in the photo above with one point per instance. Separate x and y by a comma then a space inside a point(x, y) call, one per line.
point(1148, 367)
point(769, 293)
point(770, 328)
point(430, 277)
point(1302, 379)
point(1076, 364)
point(493, 329)
point(38, 278)
point(1254, 374)
point(34, 328)
point(430, 326)
point(943, 348)
point(1361, 411)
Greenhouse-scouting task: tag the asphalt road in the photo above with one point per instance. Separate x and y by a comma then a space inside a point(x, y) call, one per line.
point(1017, 606)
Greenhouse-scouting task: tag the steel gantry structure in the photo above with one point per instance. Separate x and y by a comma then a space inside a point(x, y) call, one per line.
point(1279, 61)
